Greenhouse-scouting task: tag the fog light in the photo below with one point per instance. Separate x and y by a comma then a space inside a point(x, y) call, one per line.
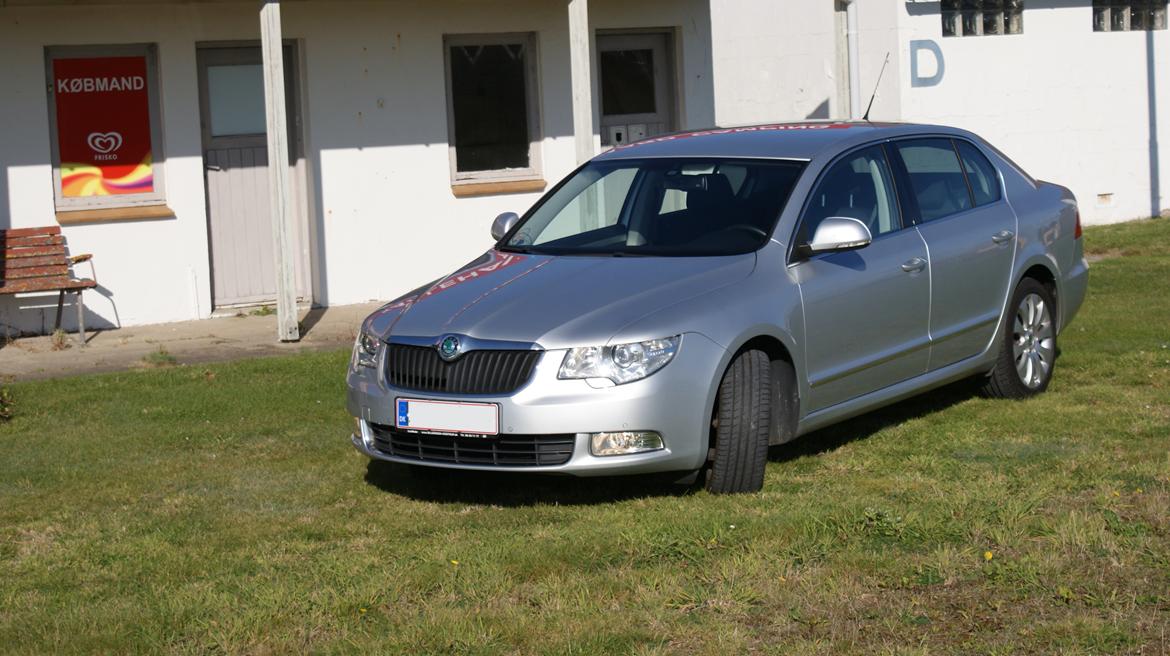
point(624, 443)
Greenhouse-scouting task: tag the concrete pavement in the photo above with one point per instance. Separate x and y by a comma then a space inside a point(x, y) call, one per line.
point(251, 333)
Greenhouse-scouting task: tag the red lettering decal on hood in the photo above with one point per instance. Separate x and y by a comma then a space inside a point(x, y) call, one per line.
point(497, 261)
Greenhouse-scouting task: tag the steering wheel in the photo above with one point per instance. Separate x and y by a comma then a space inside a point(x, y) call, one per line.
point(747, 227)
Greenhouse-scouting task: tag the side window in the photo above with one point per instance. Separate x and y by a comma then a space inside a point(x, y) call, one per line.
point(858, 187)
point(980, 173)
point(935, 177)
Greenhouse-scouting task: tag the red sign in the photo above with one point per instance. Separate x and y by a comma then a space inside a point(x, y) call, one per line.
point(103, 126)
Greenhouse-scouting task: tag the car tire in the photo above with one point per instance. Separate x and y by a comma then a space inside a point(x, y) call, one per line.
point(742, 421)
point(1027, 344)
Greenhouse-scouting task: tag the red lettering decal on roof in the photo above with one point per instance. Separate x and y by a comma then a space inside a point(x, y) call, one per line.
point(777, 127)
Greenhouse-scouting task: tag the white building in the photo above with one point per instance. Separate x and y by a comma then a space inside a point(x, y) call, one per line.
point(141, 127)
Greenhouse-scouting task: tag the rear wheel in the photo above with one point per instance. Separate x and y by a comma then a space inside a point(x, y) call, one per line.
point(741, 423)
point(1027, 351)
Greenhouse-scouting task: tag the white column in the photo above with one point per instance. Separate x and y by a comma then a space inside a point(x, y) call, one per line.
point(279, 194)
point(580, 69)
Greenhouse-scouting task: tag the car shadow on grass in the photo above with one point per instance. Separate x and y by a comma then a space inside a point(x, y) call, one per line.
point(518, 489)
point(523, 489)
point(831, 438)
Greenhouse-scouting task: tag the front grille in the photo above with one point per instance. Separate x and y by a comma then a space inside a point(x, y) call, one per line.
point(476, 372)
point(497, 451)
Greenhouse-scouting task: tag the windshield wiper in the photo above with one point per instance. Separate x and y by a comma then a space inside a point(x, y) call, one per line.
point(516, 249)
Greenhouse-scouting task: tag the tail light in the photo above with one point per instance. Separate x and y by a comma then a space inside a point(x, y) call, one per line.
point(1077, 230)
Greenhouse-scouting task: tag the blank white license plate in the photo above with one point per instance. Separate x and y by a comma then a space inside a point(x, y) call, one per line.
point(448, 417)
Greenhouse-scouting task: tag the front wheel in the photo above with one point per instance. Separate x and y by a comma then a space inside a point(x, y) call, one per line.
point(741, 424)
point(1027, 352)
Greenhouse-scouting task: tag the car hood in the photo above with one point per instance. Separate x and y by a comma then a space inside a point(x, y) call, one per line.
point(554, 301)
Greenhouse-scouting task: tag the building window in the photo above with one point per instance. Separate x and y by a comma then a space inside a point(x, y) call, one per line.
point(492, 107)
point(982, 17)
point(1129, 16)
point(104, 126)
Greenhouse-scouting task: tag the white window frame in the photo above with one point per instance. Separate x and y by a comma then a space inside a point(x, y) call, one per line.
point(532, 93)
point(158, 157)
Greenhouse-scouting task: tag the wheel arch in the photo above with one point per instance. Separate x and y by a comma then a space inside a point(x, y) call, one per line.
point(779, 347)
point(1044, 271)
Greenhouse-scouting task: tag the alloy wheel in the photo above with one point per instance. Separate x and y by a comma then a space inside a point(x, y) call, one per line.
point(1033, 341)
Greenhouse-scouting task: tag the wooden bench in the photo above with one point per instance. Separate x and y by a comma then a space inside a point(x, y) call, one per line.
point(34, 260)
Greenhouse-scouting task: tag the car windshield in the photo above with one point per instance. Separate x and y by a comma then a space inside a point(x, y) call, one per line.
point(670, 207)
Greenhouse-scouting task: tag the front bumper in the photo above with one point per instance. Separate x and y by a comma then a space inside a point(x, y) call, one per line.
point(674, 402)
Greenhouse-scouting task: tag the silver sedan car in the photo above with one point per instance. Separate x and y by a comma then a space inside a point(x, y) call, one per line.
point(682, 303)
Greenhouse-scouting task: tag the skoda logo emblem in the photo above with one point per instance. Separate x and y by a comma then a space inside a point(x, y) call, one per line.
point(449, 348)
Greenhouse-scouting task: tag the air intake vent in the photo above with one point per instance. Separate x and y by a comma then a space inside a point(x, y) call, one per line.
point(495, 451)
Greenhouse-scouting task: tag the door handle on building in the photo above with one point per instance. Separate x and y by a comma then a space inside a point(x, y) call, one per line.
point(1002, 236)
point(212, 167)
point(914, 265)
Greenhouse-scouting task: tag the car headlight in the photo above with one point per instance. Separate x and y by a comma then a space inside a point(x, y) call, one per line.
point(365, 351)
point(620, 363)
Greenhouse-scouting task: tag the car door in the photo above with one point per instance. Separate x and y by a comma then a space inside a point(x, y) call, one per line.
point(970, 231)
point(866, 311)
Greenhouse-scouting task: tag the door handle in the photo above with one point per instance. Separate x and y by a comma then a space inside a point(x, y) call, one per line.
point(914, 265)
point(1002, 236)
point(212, 167)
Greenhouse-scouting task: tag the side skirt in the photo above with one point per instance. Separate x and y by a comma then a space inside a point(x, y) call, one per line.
point(894, 393)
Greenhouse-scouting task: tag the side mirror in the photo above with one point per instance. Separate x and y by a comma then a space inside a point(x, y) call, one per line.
point(838, 233)
point(503, 224)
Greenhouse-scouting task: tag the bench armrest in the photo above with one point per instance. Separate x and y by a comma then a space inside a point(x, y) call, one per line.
point(78, 259)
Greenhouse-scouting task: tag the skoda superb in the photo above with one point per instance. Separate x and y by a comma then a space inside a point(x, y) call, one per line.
point(682, 303)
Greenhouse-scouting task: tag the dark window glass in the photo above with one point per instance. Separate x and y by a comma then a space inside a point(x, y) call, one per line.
point(982, 17)
point(859, 187)
point(627, 82)
point(1100, 16)
point(980, 173)
point(1123, 16)
point(1119, 18)
point(935, 177)
point(489, 98)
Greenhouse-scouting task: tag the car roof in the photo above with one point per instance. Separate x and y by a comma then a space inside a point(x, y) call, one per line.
point(800, 141)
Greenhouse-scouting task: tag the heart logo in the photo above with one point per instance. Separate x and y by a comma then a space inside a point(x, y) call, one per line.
point(104, 142)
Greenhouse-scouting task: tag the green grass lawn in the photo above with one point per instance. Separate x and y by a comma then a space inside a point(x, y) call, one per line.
point(221, 509)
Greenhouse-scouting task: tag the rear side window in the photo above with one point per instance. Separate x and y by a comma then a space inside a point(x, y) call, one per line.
point(980, 173)
point(935, 177)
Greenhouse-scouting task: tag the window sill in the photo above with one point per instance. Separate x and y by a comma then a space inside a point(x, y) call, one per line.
point(465, 190)
point(111, 214)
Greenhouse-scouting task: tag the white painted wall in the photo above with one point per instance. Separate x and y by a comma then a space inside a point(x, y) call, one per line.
point(390, 220)
point(774, 61)
point(384, 217)
point(1068, 104)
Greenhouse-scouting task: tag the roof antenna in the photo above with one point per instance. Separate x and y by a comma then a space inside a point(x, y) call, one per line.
point(875, 88)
